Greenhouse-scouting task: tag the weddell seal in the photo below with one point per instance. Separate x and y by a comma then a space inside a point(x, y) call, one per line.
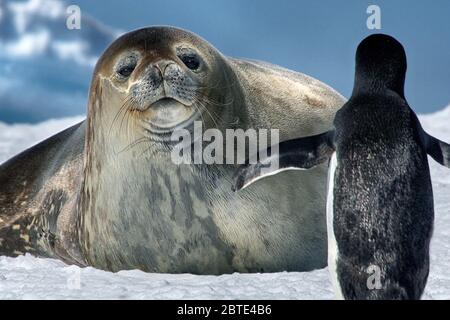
point(105, 192)
point(380, 200)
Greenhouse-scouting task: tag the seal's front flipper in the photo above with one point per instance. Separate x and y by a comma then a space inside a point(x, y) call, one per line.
point(297, 154)
point(438, 150)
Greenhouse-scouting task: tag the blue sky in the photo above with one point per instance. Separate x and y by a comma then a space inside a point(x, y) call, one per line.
point(315, 37)
point(318, 38)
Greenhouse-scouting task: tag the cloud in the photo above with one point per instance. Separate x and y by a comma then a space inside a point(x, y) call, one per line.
point(28, 44)
point(24, 12)
point(74, 50)
point(40, 42)
point(45, 68)
point(38, 27)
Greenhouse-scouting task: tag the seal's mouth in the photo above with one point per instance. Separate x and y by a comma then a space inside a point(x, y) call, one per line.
point(165, 102)
point(167, 115)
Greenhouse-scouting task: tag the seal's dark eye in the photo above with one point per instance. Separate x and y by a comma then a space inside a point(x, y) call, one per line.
point(125, 71)
point(126, 66)
point(191, 61)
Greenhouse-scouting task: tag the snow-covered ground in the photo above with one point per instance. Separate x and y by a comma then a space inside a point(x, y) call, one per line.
point(27, 277)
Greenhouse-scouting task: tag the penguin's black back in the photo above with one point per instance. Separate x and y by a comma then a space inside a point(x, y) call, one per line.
point(383, 202)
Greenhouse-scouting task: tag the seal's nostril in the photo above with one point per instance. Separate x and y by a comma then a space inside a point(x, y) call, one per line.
point(161, 65)
point(159, 69)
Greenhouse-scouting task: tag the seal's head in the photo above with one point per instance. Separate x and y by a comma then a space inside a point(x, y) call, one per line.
point(380, 64)
point(152, 81)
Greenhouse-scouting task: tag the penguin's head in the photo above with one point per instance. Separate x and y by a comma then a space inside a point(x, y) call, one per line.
point(380, 65)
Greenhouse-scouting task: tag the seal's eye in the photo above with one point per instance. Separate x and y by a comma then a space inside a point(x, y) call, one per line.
point(126, 66)
point(190, 61)
point(125, 71)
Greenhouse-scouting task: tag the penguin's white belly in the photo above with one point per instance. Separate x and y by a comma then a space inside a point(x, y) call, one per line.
point(332, 245)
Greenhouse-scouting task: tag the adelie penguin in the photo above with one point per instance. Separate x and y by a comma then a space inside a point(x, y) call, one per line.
point(380, 200)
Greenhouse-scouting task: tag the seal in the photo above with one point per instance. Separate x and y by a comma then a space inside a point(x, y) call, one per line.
point(105, 193)
point(380, 201)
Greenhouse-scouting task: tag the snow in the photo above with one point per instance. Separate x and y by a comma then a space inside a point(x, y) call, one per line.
point(17, 137)
point(27, 277)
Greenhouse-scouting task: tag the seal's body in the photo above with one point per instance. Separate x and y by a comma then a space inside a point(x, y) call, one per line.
point(380, 199)
point(105, 193)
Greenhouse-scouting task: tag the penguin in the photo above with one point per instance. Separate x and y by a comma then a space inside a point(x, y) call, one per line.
point(380, 199)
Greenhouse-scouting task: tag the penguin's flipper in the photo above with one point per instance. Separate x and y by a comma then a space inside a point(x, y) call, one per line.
point(297, 154)
point(438, 150)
